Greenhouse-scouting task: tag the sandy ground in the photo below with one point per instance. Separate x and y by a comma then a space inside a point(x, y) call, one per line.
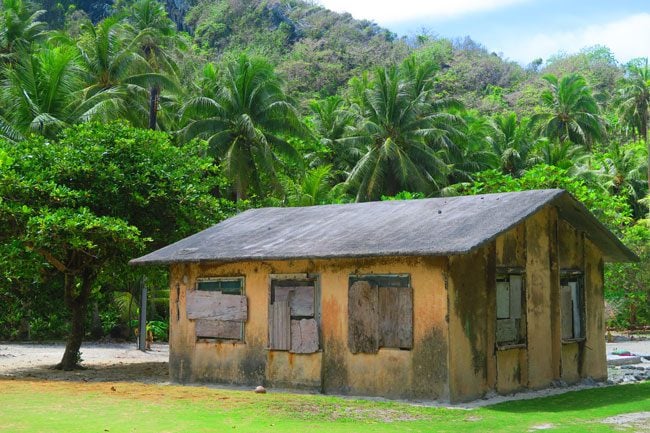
point(104, 362)
point(124, 363)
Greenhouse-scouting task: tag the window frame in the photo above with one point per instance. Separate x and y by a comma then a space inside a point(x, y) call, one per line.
point(579, 277)
point(522, 329)
point(306, 279)
point(242, 290)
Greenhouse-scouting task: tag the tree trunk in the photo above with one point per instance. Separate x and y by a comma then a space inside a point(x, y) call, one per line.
point(644, 134)
point(154, 95)
point(77, 304)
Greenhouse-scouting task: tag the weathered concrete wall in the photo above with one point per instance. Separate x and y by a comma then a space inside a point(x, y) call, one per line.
point(472, 320)
point(511, 248)
point(586, 358)
point(542, 283)
point(417, 373)
point(512, 370)
point(511, 362)
point(571, 247)
point(594, 359)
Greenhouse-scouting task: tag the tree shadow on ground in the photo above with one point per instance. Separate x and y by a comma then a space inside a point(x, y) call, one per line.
point(144, 372)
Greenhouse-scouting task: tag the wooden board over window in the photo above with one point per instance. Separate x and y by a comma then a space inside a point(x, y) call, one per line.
point(228, 330)
point(293, 323)
point(379, 316)
point(215, 305)
point(363, 318)
point(218, 308)
point(280, 328)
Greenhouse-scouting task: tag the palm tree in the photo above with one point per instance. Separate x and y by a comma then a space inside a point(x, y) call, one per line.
point(620, 171)
point(634, 103)
point(571, 112)
point(155, 36)
point(39, 93)
point(333, 121)
point(246, 123)
point(406, 133)
point(565, 155)
point(313, 188)
point(473, 152)
point(19, 27)
point(43, 93)
point(112, 65)
point(511, 143)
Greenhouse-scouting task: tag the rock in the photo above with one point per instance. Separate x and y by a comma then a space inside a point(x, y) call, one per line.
point(589, 381)
point(260, 390)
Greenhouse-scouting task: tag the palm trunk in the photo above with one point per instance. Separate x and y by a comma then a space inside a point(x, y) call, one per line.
point(154, 95)
point(78, 306)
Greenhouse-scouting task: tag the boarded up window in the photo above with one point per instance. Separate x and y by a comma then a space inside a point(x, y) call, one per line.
point(380, 313)
point(572, 306)
point(511, 324)
point(219, 308)
point(293, 321)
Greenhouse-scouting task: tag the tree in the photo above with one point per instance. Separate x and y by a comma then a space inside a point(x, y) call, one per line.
point(312, 189)
point(332, 121)
point(155, 35)
point(40, 91)
point(246, 123)
point(620, 171)
point(634, 102)
point(405, 132)
point(571, 112)
point(95, 198)
point(472, 153)
point(511, 143)
point(113, 67)
point(19, 27)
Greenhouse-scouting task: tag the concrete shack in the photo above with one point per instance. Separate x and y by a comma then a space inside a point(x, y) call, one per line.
point(443, 298)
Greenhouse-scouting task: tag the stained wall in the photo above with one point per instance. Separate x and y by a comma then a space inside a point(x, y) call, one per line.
point(417, 373)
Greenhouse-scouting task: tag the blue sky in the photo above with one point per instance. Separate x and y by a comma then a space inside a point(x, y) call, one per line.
point(520, 30)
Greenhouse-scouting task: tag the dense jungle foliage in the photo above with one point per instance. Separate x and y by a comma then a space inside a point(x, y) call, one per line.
point(130, 124)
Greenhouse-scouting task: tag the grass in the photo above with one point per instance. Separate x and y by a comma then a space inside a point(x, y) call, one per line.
point(49, 406)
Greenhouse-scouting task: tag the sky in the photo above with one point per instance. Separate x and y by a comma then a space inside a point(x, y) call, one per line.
point(519, 30)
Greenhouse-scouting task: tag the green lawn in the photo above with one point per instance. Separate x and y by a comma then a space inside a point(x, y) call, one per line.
point(39, 406)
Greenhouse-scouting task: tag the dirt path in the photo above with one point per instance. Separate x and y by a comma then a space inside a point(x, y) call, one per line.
point(104, 362)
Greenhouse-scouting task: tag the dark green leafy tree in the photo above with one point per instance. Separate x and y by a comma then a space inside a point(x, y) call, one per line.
point(246, 123)
point(570, 111)
point(90, 201)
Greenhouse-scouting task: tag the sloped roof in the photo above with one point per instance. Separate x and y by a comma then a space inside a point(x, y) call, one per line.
point(427, 227)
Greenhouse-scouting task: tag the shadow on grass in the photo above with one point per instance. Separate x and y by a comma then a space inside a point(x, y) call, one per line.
point(143, 372)
point(579, 400)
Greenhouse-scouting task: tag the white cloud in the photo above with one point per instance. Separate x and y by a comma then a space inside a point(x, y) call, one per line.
point(384, 12)
point(628, 38)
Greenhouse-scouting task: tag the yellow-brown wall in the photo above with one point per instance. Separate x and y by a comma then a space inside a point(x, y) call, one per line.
point(417, 373)
point(540, 247)
point(454, 354)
